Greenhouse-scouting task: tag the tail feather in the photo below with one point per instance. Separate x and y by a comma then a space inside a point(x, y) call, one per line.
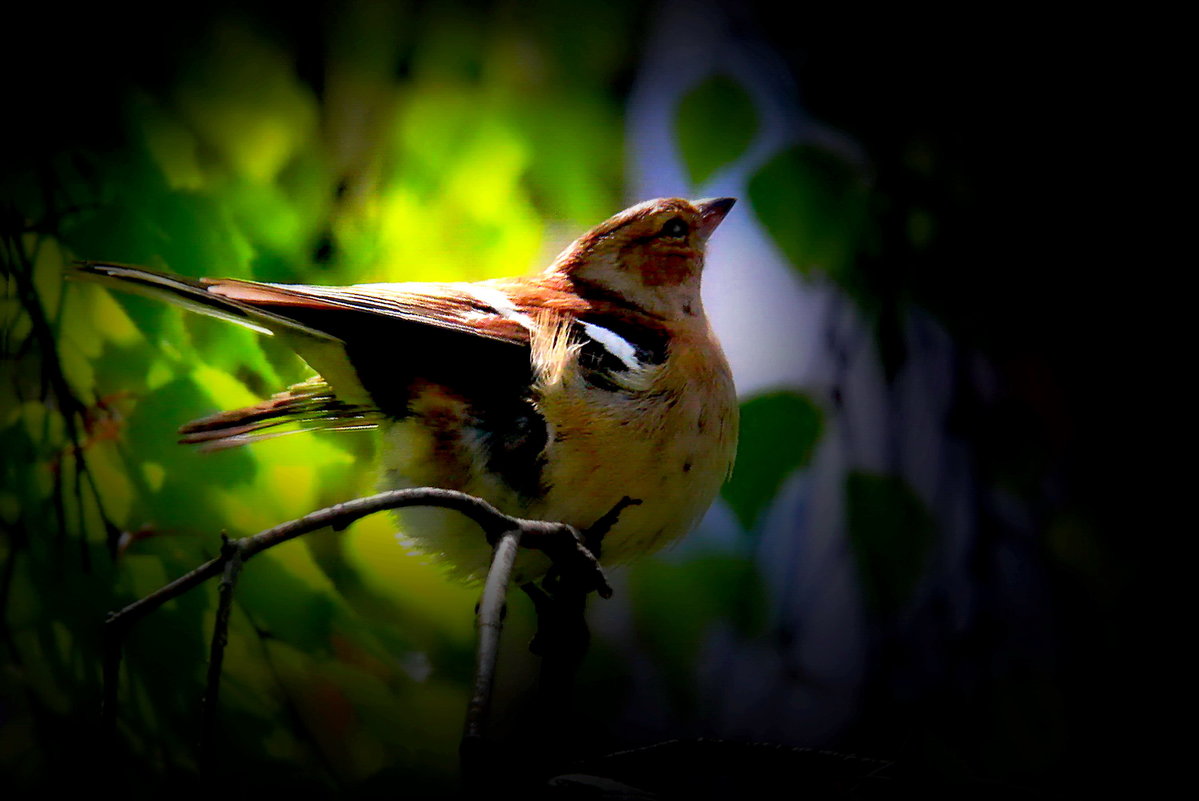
point(193, 295)
point(310, 406)
point(325, 351)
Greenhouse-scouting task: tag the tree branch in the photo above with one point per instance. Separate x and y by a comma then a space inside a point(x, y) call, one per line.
point(231, 553)
point(489, 619)
point(506, 533)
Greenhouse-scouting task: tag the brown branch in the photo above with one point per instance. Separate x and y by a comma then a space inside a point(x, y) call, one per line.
point(490, 622)
point(231, 553)
point(17, 261)
point(489, 619)
point(505, 532)
point(562, 638)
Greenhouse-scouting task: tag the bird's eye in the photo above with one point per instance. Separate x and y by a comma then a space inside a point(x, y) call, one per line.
point(675, 226)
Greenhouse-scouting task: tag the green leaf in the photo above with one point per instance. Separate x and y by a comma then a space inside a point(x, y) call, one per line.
point(676, 606)
point(778, 433)
point(287, 607)
point(715, 123)
point(814, 205)
point(891, 533)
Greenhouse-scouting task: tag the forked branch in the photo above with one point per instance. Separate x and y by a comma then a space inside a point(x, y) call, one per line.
point(504, 532)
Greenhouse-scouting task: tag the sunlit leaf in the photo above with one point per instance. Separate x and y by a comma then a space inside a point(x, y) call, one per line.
point(153, 473)
point(225, 390)
point(374, 550)
point(110, 320)
point(112, 479)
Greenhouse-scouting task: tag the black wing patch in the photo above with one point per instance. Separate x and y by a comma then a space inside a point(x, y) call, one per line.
point(610, 347)
point(515, 435)
point(397, 359)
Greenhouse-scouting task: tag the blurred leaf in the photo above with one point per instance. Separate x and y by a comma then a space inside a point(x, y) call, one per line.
point(173, 146)
point(285, 605)
point(413, 583)
point(891, 533)
point(714, 125)
point(779, 430)
point(112, 480)
point(47, 275)
point(110, 319)
point(678, 605)
point(577, 171)
point(244, 100)
point(814, 205)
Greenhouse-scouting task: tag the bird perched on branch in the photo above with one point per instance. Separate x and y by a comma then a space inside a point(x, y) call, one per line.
point(552, 397)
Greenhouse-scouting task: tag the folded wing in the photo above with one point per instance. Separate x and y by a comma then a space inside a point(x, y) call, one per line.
point(375, 345)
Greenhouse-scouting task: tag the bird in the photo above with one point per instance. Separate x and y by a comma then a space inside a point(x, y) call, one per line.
point(552, 396)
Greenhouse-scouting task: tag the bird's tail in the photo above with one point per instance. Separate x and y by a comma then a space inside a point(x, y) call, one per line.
point(255, 306)
point(191, 294)
point(312, 405)
point(309, 406)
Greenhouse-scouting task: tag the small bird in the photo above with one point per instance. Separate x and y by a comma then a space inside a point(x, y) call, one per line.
point(552, 396)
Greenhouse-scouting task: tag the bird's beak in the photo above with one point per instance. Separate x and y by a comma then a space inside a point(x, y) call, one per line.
point(711, 212)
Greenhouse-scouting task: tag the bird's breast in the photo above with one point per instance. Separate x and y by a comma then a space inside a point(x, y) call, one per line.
point(569, 450)
point(668, 446)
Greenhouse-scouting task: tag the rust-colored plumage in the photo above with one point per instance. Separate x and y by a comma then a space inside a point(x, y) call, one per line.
point(551, 396)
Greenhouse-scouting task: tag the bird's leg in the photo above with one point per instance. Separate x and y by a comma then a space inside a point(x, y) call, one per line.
point(593, 537)
point(561, 597)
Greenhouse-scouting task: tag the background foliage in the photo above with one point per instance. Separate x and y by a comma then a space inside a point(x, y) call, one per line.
point(374, 141)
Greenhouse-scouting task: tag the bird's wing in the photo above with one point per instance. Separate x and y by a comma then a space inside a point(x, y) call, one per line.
point(469, 339)
point(186, 292)
point(374, 344)
point(479, 310)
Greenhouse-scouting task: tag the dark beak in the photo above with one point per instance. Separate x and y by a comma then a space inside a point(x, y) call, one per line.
point(711, 211)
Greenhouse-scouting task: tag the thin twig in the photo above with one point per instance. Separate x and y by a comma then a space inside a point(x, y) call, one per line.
point(495, 525)
point(490, 623)
point(231, 552)
point(337, 517)
point(18, 262)
point(118, 624)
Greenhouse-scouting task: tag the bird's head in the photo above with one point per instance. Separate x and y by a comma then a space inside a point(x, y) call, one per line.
point(650, 255)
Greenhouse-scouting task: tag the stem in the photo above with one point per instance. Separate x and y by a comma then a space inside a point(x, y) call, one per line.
point(231, 553)
point(498, 527)
point(490, 622)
